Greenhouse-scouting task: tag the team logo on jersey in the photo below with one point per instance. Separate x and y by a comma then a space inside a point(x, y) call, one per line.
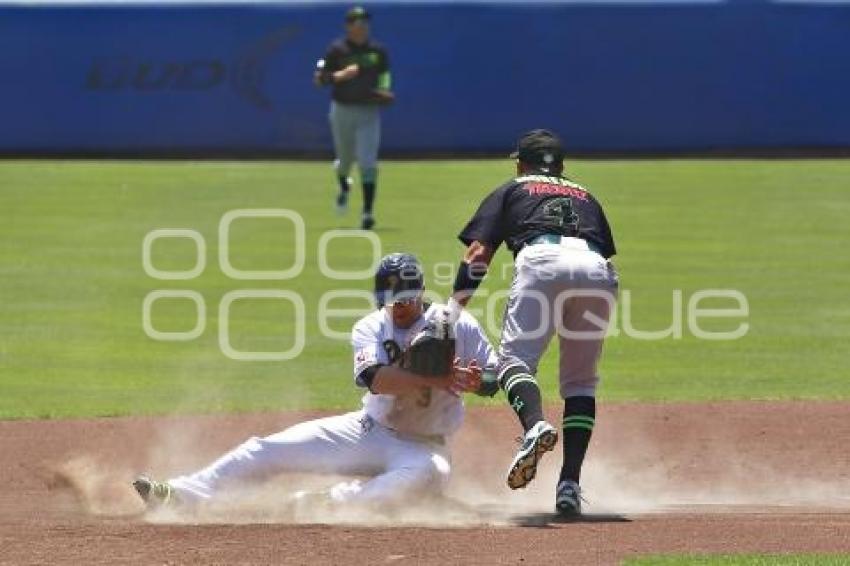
point(393, 350)
point(365, 357)
point(364, 60)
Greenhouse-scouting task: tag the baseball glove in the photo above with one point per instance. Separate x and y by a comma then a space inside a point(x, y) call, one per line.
point(489, 383)
point(432, 350)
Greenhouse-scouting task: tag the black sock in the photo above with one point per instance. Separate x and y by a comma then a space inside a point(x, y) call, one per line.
point(579, 418)
point(344, 187)
point(368, 197)
point(523, 394)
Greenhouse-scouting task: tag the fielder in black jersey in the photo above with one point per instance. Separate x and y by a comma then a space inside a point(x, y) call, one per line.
point(564, 284)
point(537, 204)
point(370, 85)
point(357, 69)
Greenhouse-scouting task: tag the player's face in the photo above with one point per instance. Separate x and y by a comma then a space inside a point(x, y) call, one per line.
point(406, 312)
point(357, 31)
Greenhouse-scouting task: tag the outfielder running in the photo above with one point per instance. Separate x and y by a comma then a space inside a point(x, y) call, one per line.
point(564, 283)
point(358, 70)
point(415, 371)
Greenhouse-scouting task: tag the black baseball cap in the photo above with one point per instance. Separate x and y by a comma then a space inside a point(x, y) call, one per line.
point(357, 13)
point(539, 147)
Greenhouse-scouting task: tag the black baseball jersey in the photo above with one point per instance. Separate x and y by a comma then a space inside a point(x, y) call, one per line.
point(533, 205)
point(374, 65)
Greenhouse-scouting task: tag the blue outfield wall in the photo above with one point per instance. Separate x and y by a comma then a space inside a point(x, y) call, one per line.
point(469, 77)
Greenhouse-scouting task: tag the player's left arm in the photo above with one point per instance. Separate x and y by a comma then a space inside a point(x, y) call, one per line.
point(385, 81)
point(383, 91)
point(607, 246)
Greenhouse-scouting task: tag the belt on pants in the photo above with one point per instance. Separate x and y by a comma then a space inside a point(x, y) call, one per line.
point(367, 422)
point(566, 242)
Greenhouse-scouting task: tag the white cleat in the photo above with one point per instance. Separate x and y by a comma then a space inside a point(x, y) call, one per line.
point(154, 493)
point(539, 439)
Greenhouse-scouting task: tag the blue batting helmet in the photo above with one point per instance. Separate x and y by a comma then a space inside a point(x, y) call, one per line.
point(397, 274)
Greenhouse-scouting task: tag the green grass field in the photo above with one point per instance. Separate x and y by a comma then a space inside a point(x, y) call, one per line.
point(72, 285)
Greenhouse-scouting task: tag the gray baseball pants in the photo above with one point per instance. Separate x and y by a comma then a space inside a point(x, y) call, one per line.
point(356, 130)
point(564, 289)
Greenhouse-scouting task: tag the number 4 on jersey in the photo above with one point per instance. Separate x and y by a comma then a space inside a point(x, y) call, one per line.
point(558, 212)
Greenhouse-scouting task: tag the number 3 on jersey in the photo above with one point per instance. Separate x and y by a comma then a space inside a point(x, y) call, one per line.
point(423, 399)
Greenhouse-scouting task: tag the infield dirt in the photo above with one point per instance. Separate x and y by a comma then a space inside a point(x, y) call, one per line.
point(754, 477)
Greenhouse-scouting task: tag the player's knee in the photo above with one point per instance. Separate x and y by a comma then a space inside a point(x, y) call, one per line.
point(342, 167)
point(431, 474)
point(513, 364)
point(369, 172)
point(579, 386)
point(510, 368)
point(249, 448)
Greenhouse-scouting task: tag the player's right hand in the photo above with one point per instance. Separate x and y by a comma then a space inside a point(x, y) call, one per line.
point(461, 379)
point(347, 73)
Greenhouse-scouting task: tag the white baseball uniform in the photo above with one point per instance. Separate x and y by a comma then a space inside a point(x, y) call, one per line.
point(398, 441)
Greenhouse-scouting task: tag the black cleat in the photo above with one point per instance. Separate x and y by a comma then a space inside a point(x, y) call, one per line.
point(368, 221)
point(568, 499)
point(342, 203)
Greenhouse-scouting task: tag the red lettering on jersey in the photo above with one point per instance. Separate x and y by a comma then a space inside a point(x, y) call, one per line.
point(551, 189)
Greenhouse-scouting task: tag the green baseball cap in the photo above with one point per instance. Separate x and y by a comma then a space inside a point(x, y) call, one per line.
point(357, 13)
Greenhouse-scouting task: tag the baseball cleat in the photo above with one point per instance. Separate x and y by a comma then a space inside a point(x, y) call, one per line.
point(568, 499)
point(154, 493)
point(367, 221)
point(342, 203)
point(539, 439)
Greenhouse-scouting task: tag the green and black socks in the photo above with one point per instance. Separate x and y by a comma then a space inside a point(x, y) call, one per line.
point(579, 418)
point(369, 178)
point(344, 185)
point(369, 189)
point(523, 395)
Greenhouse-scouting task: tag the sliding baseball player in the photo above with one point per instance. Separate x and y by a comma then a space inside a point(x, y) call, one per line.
point(415, 370)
